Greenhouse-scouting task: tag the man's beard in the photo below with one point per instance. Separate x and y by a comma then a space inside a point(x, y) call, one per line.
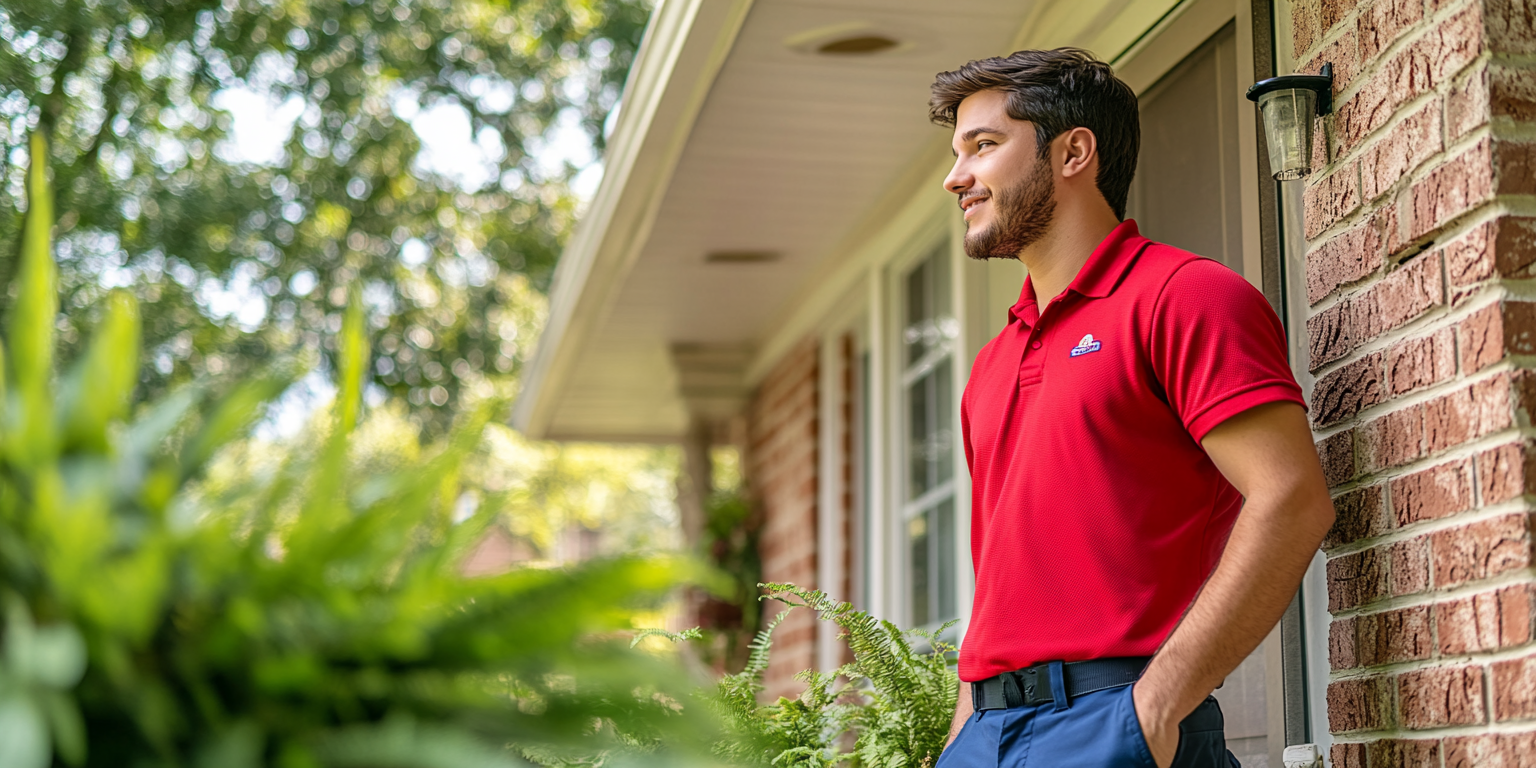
point(1021, 215)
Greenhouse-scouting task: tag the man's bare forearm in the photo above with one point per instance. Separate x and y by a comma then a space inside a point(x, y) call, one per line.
point(1259, 572)
point(963, 710)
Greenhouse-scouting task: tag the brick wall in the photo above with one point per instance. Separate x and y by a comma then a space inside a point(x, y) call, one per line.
point(781, 471)
point(1422, 335)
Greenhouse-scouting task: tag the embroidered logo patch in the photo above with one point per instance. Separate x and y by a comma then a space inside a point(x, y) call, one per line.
point(1088, 344)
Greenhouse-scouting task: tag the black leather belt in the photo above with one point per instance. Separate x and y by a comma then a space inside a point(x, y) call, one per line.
point(1031, 686)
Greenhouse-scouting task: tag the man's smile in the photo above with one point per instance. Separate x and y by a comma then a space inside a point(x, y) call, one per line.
point(968, 204)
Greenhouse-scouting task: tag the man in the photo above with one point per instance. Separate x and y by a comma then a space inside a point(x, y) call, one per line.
point(1144, 478)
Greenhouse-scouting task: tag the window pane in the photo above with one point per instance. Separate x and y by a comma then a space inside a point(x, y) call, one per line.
point(919, 313)
point(944, 559)
point(939, 265)
point(920, 429)
point(941, 440)
point(917, 546)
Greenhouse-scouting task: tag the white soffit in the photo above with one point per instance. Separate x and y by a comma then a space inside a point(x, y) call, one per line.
point(790, 154)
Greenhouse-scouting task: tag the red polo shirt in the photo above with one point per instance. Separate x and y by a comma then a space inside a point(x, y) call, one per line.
point(1096, 516)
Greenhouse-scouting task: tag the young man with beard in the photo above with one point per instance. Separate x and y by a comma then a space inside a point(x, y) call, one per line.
point(1146, 494)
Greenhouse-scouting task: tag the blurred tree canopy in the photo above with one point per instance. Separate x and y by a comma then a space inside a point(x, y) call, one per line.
point(239, 260)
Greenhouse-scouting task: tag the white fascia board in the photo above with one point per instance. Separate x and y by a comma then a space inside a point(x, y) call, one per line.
point(685, 45)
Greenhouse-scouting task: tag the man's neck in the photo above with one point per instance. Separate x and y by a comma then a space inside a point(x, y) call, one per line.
point(1054, 260)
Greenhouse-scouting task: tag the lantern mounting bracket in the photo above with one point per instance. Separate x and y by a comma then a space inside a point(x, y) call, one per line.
point(1322, 85)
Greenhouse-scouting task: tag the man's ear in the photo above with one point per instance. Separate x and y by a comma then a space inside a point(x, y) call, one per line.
point(1079, 150)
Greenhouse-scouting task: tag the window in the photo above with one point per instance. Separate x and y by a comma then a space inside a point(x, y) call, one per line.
point(928, 488)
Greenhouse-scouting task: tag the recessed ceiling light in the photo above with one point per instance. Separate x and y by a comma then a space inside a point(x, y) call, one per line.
point(857, 45)
point(852, 39)
point(741, 257)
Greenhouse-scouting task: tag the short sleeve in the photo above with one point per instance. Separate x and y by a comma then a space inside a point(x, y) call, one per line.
point(1217, 347)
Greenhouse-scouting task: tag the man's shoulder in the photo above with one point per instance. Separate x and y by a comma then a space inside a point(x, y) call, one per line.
point(1164, 269)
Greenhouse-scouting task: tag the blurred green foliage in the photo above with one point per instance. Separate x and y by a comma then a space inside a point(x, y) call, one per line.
point(238, 261)
point(312, 615)
point(730, 544)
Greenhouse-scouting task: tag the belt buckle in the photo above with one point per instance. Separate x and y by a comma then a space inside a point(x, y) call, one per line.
point(1029, 683)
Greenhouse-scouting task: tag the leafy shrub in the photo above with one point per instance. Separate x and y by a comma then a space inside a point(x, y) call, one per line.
point(311, 618)
point(730, 616)
point(891, 707)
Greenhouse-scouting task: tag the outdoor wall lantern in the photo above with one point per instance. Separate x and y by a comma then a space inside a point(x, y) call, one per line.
point(1288, 105)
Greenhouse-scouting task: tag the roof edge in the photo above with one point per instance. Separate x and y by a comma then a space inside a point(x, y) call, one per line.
point(685, 46)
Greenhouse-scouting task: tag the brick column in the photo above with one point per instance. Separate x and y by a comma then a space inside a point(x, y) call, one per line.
point(781, 472)
point(1422, 335)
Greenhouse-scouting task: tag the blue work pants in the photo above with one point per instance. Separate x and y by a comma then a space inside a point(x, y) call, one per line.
point(1095, 730)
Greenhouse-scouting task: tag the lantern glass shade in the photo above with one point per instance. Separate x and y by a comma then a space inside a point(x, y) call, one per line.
point(1288, 115)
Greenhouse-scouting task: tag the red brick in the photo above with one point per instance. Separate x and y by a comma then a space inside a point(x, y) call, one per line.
point(1350, 755)
point(1304, 31)
point(1388, 229)
point(1491, 750)
point(1480, 550)
point(1349, 390)
point(1356, 579)
point(1432, 493)
point(1467, 414)
point(1490, 91)
point(1517, 610)
point(1436, 56)
point(1393, 636)
point(1421, 362)
point(1372, 106)
point(1410, 566)
point(1337, 455)
point(1359, 514)
point(1352, 255)
point(1403, 148)
point(1342, 639)
point(1505, 246)
point(1329, 199)
point(782, 462)
point(1404, 753)
point(1504, 473)
point(1487, 621)
point(1481, 339)
point(1341, 260)
point(1512, 93)
point(1399, 298)
point(1429, 698)
point(1343, 55)
point(1359, 704)
point(1466, 105)
point(1519, 327)
point(1511, 26)
point(1514, 688)
point(1331, 12)
point(1392, 440)
point(1516, 163)
point(1330, 334)
point(1384, 22)
point(1456, 187)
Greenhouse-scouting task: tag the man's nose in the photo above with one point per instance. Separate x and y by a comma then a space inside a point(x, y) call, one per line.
point(959, 179)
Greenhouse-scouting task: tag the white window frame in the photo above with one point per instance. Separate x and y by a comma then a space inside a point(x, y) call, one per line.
point(853, 321)
point(895, 511)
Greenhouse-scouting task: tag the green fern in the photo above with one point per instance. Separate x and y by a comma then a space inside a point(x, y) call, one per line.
point(906, 695)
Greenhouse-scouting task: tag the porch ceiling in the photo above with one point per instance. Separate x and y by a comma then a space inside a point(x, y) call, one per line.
point(789, 153)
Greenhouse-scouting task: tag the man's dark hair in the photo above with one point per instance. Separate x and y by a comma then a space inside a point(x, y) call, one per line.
point(1057, 90)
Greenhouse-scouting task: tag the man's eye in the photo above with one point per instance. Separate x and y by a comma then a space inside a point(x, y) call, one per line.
point(985, 143)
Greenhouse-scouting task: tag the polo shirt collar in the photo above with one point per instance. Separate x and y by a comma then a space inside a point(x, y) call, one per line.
point(1100, 274)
